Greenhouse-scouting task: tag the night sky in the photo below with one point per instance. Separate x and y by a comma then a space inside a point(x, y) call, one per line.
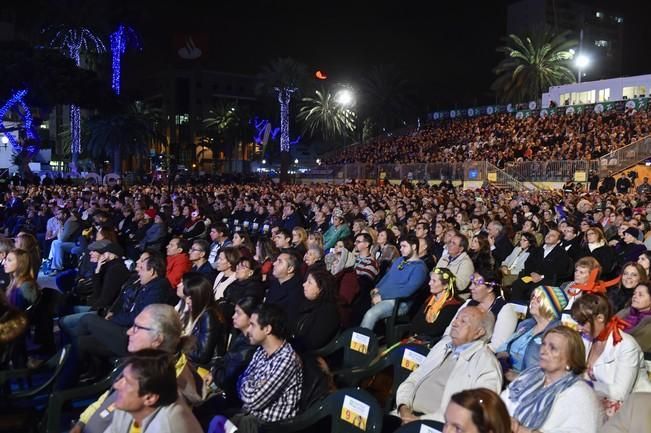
point(446, 50)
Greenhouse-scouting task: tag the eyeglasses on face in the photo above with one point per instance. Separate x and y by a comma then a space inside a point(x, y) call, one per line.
point(137, 328)
point(478, 281)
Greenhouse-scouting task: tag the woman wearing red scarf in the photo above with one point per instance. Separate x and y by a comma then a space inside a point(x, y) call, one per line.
point(615, 362)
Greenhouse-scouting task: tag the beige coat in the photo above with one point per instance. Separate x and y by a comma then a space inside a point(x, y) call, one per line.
point(476, 367)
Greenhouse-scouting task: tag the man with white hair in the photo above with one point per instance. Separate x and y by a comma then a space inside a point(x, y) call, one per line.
point(462, 361)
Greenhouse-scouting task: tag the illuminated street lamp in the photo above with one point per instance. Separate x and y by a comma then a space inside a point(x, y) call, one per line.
point(582, 61)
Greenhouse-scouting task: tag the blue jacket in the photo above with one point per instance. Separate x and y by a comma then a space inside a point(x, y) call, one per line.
point(532, 352)
point(400, 283)
point(135, 298)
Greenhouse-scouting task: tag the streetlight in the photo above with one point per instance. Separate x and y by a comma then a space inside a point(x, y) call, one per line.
point(296, 161)
point(4, 140)
point(582, 61)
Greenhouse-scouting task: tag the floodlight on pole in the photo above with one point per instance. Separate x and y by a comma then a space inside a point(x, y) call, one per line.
point(582, 61)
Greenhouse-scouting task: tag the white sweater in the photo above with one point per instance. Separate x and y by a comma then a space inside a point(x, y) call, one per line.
point(575, 410)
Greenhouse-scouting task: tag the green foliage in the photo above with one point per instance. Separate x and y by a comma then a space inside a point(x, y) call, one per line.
point(323, 115)
point(532, 65)
point(128, 132)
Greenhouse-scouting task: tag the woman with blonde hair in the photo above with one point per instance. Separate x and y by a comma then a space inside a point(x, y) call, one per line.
point(315, 239)
point(299, 240)
point(439, 309)
point(23, 290)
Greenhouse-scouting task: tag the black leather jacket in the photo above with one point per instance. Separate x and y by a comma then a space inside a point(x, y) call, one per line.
point(209, 332)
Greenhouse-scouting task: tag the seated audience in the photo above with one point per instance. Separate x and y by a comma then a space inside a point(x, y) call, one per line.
point(521, 351)
point(484, 293)
point(198, 256)
point(200, 317)
point(147, 398)
point(551, 396)
point(514, 262)
point(226, 265)
point(286, 288)
point(547, 265)
point(406, 275)
point(437, 312)
point(178, 261)
point(464, 361)
point(476, 411)
point(638, 317)
point(23, 290)
point(620, 295)
point(157, 327)
point(457, 260)
point(615, 363)
point(317, 322)
point(270, 387)
point(100, 338)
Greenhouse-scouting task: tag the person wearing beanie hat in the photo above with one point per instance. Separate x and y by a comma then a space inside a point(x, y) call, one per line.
point(522, 350)
point(630, 247)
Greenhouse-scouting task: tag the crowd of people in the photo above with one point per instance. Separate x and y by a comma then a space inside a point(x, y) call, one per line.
point(501, 138)
point(534, 304)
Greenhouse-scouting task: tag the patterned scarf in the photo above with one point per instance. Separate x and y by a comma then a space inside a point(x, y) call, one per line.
point(536, 400)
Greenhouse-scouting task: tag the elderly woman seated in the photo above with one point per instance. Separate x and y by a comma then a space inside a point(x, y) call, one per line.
point(545, 398)
point(615, 363)
point(522, 350)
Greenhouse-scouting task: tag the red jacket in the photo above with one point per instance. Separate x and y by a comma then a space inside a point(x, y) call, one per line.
point(177, 266)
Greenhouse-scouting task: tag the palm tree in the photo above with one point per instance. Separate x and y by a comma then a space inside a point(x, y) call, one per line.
point(130, 132)
point(223, 123)
point(322, 114)
point(283, 77)
point(532, 65)
point(72, 41)
point(384, 98)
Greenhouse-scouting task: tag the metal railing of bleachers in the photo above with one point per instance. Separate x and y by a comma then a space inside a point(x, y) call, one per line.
point(626, 156)
point(549, 171)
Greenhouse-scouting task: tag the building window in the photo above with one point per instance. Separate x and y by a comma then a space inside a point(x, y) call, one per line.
point(604, 95)
point(601, 43)
point(181, 119)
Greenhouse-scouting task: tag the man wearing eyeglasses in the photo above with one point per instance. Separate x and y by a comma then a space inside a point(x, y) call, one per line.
point(99, 339)
point(199, 259)
point(157, 327)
